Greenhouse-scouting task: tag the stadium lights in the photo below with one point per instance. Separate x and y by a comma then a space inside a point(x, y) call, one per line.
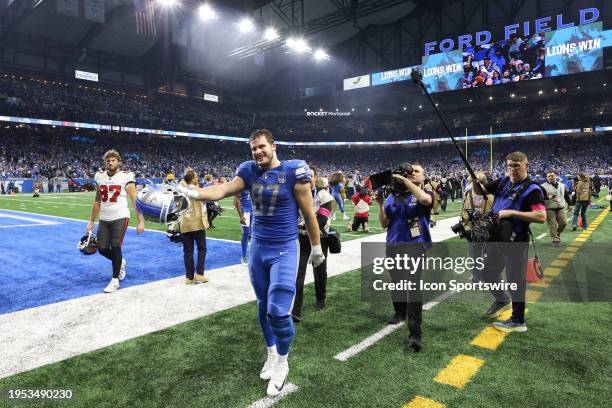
point(206, 12)
point(405, 108)
point(540, 92)
point(420, 106)
point(271, 34)
point(246, 25)
point(512, 95)
point(321, 55)
point(556, 90)
point(352, 109)
point(470, 101)
point(490, 98)
point(300, 45)
point(368, 109)
point(168, 3)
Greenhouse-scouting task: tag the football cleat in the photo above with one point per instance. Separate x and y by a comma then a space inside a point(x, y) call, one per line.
point(345, 217)
point(266, 370)
point(122, 270)
point(279, 378)
point(244, 260)
point(112, 286)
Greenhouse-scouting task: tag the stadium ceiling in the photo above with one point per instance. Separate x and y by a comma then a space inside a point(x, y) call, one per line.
point(325, 21)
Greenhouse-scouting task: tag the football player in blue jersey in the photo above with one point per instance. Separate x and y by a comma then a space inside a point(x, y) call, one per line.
point(278, 190)
point(244, 207)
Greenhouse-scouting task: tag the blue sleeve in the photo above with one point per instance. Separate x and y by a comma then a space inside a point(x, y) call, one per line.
point(245, 171)
point(302, 172)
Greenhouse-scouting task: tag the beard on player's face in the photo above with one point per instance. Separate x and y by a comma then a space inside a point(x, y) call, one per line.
point(112, 165)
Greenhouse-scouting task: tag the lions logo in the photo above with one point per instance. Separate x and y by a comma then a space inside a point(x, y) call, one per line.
point(282, 177)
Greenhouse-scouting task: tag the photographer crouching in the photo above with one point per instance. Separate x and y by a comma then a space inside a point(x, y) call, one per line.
point(405, 213)
point(518, 202)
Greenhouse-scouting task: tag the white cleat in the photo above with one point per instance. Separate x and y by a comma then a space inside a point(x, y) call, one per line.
point(122, 270)
point(279, 378)
point(112, 286)
point(345, 217)
point(266, 370)
point(244, 260)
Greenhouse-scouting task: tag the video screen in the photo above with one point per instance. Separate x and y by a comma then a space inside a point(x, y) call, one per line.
point(503, 62)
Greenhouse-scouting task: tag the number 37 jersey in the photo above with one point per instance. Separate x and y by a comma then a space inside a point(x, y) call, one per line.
point(113, 196)
point(275, 210)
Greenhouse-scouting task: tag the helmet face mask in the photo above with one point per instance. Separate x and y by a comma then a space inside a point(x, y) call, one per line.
point(88, 245)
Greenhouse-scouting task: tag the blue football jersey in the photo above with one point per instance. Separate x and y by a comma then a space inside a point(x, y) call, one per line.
point(275, 210)
point(245, 202)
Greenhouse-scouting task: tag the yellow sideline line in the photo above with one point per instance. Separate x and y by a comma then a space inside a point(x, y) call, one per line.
point(459, 371)
point(422, 402)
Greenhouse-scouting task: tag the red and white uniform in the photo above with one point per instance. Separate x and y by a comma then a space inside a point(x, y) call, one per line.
point(113, 195)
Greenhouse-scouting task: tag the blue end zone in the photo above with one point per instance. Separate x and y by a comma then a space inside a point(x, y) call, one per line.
point(41, 263)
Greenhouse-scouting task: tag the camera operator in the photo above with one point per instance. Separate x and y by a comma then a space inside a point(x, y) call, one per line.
point(405, 213)
point(518, 202)
point(474, 205)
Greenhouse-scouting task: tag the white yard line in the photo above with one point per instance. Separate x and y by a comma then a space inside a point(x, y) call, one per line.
point(381, 334)
point(541, 236)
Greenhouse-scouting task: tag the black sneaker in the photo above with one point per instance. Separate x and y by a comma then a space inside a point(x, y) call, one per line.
point(556, 244)
point(510, 326)
point(498, 308)
point(296, 319)
point(396, 319)
point(319, 305)
point(414, 344)
point(573, 229)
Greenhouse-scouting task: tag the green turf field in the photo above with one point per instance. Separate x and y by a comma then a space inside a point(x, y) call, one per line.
point(565, 360)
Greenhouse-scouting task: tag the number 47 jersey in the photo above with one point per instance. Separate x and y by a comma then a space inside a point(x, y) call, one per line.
point(113, 196)
point(275, 210)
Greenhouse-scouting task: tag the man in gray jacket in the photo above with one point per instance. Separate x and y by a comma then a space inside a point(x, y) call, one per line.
point(555, 200)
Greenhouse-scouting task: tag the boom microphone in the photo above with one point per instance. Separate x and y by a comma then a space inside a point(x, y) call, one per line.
point(417, 79)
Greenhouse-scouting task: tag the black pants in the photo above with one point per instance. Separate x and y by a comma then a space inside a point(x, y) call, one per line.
point(513, 258)
point(444, 201)
point(199, 237)
point(320, 274)
point(407, 303)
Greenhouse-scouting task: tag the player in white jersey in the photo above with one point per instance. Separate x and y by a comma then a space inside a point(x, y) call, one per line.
point(113, 187)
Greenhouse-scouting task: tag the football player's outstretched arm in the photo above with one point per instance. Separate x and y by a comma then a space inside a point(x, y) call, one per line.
point(215, 193)
point(95, 209)
point(131, 190)
point(303, 196)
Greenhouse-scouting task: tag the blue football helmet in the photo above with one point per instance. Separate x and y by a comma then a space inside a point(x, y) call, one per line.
point(161, 205)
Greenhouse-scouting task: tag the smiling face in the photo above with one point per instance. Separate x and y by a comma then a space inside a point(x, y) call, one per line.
point(551, 177)
point(262, 151)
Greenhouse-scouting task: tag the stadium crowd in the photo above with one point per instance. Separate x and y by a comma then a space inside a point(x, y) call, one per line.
point(45, 99)
point(45, 153)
